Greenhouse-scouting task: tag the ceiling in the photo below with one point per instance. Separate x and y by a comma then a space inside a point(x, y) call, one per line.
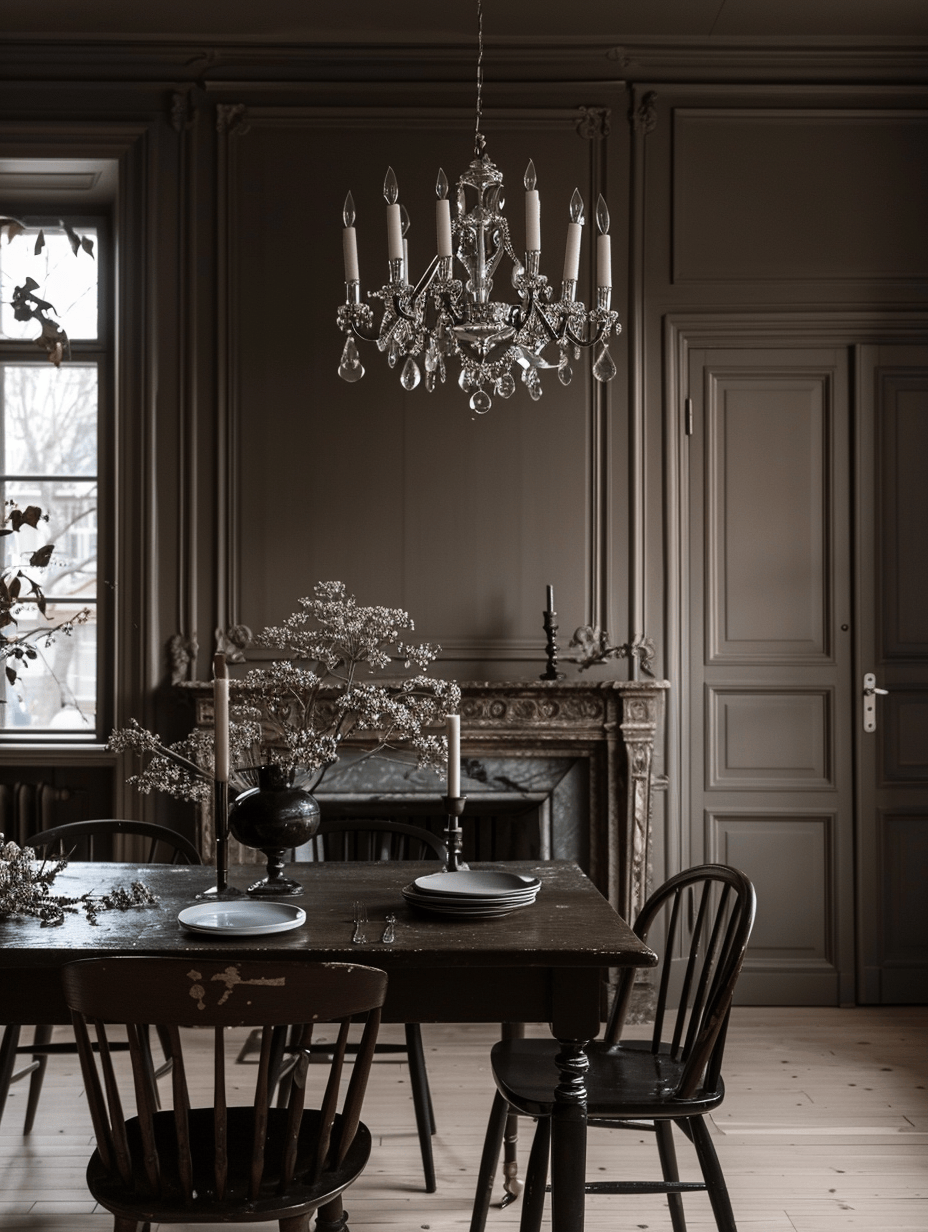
point(424, 21)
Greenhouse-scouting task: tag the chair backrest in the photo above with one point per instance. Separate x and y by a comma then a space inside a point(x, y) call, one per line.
point(709, 913)
point(375, 839)
point(164, 846)
point(224, 1153)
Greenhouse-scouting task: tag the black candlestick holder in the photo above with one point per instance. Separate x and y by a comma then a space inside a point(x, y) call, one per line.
point(550, 623)
point(454, 835)
point(221, 891)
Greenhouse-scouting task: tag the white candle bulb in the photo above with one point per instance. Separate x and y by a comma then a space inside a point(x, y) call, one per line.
point(574, 232)
point(604, 261)
point(220, 719)
point(453, 727)
point(394, 217)
point(532, 210)
point(443, 216)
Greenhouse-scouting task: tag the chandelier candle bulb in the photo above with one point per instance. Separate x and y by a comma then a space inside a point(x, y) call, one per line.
point(453, 727)
point(604, 261)
point(532, 211)
point(443, 217)
point(221, 718)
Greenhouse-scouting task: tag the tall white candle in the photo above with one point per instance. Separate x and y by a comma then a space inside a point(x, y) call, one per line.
point(350, 251)
point(604, 260)
point(221, 718)
point(443, 226)
point(532, 221)
point(453, 727)
point(394, 233)
point(572, 252)
point(550, 597)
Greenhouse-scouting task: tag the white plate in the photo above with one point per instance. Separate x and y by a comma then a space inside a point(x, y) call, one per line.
point(476, 883)
point(244, 919)
point(461, 911)
point(468, 904)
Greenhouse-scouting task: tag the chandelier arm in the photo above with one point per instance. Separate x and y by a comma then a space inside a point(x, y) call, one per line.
point(359, 333)
point(580, 342)
point(400, 311)
point(426, 280)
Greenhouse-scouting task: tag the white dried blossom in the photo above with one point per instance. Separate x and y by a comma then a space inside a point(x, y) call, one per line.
point(296, 711)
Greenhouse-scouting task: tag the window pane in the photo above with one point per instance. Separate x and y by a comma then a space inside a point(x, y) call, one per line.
point(69, 521)
point(67, 281)
point(57, 691)
point(49, 419)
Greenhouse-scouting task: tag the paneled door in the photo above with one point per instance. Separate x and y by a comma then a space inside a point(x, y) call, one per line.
point(892, 531)
point(770, 656)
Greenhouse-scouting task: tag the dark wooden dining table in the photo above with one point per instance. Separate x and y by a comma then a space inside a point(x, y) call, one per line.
point(541, 963)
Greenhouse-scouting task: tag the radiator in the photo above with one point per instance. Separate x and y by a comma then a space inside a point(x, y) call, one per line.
point(26, 808)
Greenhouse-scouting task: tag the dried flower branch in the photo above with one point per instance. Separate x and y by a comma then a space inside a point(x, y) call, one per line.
point(296, 712)
point(25, 890)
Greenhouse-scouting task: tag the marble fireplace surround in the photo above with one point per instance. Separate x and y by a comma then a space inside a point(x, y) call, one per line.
point(576, 755)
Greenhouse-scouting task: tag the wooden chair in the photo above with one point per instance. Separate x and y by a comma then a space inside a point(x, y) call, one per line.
point(164, 846)
point(673, 1078)
point(383, 839)
point(224, 1164)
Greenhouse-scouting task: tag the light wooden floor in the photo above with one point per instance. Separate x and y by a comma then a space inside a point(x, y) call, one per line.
point(824, 1129)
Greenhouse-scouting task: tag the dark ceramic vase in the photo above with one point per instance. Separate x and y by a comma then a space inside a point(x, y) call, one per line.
point(275, 816)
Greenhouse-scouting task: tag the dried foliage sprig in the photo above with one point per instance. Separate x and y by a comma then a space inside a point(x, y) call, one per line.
point(296, 712)
point(25, 890)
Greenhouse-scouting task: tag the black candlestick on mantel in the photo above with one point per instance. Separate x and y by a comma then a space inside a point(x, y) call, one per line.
point(550, 624)
point(454, 835)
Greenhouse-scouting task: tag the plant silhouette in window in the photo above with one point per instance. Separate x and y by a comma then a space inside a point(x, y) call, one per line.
point(19, 589)
point(27, 306)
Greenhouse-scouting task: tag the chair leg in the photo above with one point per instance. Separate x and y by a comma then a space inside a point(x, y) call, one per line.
point(712, 1174)
point(668, 1156)
point(420, 1097)
point(8, 1047)
point(536, 1178)
point(492, 1145)
point(43, 1035)
point(332, 1217)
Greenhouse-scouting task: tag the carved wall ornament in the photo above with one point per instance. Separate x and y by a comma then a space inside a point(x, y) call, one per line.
point(181, 109)
point(231, 118)
point(592, 646)
point(233, 642)
point(594, 122)
point(182, 656)
point(644, 116)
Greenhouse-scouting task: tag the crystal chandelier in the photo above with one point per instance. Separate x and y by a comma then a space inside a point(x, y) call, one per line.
point(442, 318)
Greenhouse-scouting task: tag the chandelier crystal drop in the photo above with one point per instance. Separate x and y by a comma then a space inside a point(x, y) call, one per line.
point(439, 319)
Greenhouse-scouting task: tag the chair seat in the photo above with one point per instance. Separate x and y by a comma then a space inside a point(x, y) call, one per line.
point(624, 1081)
point(300, 1196)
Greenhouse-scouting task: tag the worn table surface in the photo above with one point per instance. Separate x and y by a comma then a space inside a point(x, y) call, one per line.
point(540, 963)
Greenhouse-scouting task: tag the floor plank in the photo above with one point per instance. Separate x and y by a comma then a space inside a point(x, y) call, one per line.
point(824, 1129)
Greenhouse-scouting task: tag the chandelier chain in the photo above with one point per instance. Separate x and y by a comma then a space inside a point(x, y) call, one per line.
point(479, 139)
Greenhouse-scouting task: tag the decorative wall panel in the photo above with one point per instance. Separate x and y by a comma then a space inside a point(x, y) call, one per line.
point(764, 739)
point(799, 195)
point(788, 857)
point(903, 445)
point(766, 517)
point(904, 850)
point(904, 735)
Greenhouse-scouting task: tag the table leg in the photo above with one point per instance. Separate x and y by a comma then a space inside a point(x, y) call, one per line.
point(512, 1186)
point(568, 1137)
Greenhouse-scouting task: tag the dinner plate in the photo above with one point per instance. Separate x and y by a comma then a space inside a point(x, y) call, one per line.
point(455, 913)
point(477, 883)
point(242, 919)
point(470, 904)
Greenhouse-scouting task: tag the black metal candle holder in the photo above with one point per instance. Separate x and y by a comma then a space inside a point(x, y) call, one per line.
point(221, 891)
point(454, 835)
point(550, 624)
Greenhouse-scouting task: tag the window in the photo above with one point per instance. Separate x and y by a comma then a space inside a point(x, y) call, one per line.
point(50, 458)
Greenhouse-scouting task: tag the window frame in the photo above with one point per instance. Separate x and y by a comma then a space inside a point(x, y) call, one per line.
point(102, 351)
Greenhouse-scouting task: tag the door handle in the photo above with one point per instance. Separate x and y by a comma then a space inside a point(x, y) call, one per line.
point(870, 693)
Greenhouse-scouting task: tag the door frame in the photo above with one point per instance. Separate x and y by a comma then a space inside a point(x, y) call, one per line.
point(686, 331)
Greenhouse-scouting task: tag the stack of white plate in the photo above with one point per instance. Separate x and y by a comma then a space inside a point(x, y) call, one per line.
point(476, 894)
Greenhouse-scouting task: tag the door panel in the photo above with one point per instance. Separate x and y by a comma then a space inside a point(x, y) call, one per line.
point(893, 644)
point(769, 662)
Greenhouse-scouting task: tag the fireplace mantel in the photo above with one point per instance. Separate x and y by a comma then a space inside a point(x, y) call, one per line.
point(583, 750)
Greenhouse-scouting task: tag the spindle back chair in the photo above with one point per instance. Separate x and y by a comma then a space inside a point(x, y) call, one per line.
point(224, 1163)
point(671, 1077)
point(163, 846)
